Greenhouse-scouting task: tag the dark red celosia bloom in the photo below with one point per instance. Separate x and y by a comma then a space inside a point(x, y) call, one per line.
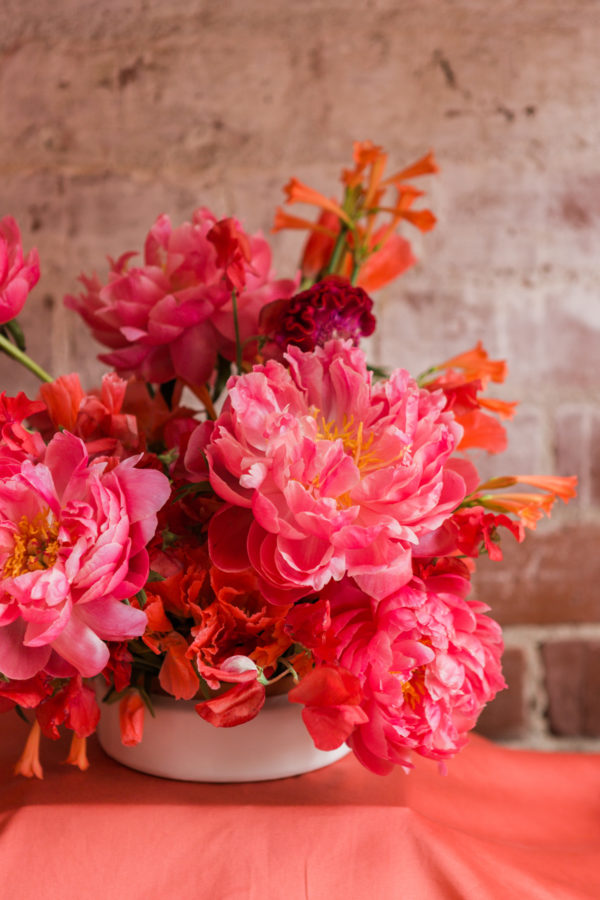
point(331, 308)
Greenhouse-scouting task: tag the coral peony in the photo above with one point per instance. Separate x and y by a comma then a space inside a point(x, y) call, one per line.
point(426, 660)
point(171, 316)
point(18, 275)
point(72, 547)
point(325, 474)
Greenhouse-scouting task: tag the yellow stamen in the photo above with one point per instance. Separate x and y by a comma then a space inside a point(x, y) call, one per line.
point(355, 443)
point(36, 546)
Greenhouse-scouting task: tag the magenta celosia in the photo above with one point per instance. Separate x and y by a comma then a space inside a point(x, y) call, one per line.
point(331, 308)
point(73, 535)
point(18, 274)
point(325, 474)
point(171, 316)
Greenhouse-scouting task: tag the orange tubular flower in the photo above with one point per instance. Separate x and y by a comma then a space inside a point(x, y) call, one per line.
point(476, 364)
point(297, 192)
point(28, 763)
point(426, 165)
point(78, 753)
point(558, 486)
point(362, 237)
point(503, 408)
point(529, 508)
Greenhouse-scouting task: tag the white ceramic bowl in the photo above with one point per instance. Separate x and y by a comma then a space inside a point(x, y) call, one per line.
point(178, 744)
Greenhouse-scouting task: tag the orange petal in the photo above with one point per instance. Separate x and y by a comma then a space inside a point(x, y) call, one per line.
point(131, 719)
point(426, 165)
point(177, 676)
point(477, 365)
point(481, 430)
point(385, 264)
point(28, 763)
point(297, 192)
point(502, 408)
point(423, 219)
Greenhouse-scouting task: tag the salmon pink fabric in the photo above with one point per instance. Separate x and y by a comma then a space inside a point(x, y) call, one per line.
point(502, 824)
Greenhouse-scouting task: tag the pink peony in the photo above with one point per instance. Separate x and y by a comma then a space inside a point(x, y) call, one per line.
point(171, 316)
point(72, 547)
point(325, 474)
point(17, 275)
point(426, 659)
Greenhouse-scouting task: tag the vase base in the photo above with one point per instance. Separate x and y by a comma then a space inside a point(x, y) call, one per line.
point(179, 745)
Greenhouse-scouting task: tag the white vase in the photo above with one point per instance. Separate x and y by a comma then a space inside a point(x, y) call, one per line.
point(178, 744)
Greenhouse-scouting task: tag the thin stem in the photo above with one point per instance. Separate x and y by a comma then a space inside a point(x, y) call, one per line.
point(338, 251)
point(25, 360)
point(201, 392)
point(236, 325)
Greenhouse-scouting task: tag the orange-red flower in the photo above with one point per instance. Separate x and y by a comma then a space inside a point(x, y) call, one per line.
point(131, 719)
point(347, 235)
point(29, 763)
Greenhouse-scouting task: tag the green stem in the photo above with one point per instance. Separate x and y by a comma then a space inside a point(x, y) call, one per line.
point(236, 325)
point(338, 251)
point(25, 360)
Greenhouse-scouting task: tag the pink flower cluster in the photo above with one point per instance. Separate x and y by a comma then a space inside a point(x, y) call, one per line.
point(73, 537)
point(343, 489)
point(424, 662)
point(171, 316)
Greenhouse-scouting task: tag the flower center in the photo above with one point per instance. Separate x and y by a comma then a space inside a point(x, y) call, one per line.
point(352, 435)
point(414, 688)
point(36, 546)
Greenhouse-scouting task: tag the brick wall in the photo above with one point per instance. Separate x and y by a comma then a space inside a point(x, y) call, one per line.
point(112, 111)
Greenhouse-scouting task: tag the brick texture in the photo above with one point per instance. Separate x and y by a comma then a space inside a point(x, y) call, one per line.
point(504, 717)
point(553, 577)
point(572, 675)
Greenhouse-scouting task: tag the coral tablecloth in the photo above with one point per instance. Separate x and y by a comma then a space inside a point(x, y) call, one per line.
point(502, 824)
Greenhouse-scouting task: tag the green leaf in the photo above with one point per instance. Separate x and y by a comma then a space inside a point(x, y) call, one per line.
point(154, 576)
point(198, 487)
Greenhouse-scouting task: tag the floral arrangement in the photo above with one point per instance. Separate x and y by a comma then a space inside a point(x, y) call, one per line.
point(244, 505)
